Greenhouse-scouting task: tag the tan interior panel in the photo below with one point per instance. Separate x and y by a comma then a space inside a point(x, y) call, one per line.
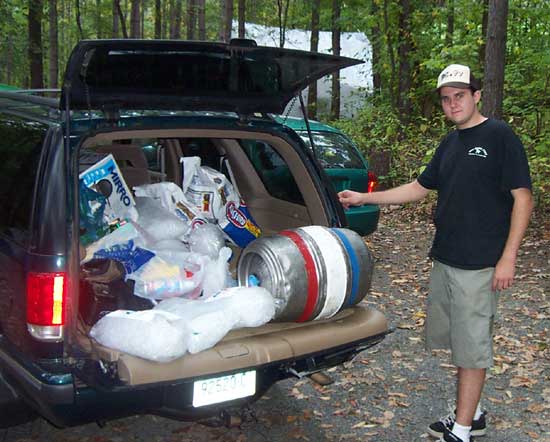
point(271, 211)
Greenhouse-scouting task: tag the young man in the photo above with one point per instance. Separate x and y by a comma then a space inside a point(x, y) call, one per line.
point(484, 203)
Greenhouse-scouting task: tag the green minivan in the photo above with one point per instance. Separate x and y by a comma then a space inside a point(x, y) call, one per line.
point(346, 167)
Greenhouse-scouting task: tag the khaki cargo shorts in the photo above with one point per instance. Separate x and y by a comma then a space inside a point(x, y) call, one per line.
point(461, 309)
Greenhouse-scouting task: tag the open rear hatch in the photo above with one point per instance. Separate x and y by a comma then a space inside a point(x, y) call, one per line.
point(178, 75)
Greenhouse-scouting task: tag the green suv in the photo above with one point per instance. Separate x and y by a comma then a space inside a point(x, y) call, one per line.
point(150, 104)
point(345, 166)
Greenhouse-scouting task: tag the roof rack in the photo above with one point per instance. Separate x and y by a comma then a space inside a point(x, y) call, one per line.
point(26, 96)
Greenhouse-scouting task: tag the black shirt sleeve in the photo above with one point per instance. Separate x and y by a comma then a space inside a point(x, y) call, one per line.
point(429, 176)
point(515, 168)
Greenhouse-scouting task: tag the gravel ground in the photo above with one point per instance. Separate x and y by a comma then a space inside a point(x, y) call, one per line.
point(391, 392)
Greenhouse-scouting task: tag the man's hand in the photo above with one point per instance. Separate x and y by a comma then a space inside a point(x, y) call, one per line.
point(521, 212)
point(350, 198)
point(406, 193)
point(504, 273)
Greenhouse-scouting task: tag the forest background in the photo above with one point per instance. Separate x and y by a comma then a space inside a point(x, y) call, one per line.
point(506, 42)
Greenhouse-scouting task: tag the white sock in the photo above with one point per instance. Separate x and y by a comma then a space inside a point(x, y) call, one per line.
point(478, 412)
point(462, 432)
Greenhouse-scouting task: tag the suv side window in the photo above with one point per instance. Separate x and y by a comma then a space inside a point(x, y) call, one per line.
point(20, 149)
point(273, 171)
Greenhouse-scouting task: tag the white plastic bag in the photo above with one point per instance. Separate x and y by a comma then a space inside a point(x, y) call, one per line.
point(216, 273)
point(209, 320)
point(206, 239)
point(161, 279)
point(155, 335)
point(211, 194)
point(170, 196)
point(159, 223)
point(199, 189)
point(121, 235)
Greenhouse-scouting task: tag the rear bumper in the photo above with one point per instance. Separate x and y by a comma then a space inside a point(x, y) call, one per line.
point(93, 393)
point(363, 219)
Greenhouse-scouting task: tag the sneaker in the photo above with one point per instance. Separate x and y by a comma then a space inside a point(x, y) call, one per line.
point(479, 426)
point(449, 436)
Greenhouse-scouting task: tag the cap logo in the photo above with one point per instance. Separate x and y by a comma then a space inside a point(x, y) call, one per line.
point(455, 75)
point(452, 75)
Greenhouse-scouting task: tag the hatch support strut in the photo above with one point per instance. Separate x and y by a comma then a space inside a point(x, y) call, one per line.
point(306, 120)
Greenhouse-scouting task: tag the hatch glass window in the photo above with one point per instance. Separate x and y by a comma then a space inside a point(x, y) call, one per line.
point(182, 72)
point(273, 171)
point(333, 150)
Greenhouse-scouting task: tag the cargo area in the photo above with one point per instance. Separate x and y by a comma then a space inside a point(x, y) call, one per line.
point(274, 184)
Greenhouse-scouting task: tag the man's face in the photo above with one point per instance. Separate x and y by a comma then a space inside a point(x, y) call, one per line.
point(459, 105)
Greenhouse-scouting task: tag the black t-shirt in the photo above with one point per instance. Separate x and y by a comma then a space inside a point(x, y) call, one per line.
point(473, 171)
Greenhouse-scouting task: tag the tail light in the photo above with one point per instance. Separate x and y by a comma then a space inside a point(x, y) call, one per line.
point(46, 305)
point(373, 182)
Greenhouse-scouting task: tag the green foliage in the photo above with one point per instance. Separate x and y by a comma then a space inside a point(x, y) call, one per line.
point(378, 127)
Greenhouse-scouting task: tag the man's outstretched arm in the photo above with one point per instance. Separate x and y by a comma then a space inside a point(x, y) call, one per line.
point(406, 193)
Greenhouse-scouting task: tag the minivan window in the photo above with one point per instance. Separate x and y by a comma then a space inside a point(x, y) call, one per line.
point(20, 149)
point(333, 150)
point(273, 171)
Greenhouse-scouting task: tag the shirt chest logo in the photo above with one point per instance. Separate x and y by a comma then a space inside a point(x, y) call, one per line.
point(478, 152)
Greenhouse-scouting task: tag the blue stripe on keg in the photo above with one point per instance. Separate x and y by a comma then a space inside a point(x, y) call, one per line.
point(354, 265)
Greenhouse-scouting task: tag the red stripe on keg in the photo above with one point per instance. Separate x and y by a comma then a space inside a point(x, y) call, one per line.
point(311, 271)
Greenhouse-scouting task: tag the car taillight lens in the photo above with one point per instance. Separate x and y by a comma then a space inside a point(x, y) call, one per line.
point(46, 298)
point(373, 182)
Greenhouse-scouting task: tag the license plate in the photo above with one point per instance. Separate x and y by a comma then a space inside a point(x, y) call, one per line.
point(224, 388)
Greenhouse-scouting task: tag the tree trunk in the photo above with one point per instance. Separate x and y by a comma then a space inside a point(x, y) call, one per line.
point(191, 19)
point(175, 28)
point(391, 55)
point(227, 20)
point(167, 22)
point(483, 45)
point(54, 45)
point(335, 95)
point(78, 20)
point(450, 23)
point(376, 44)
point(142, 18)
point(282, 10)
point(9, 60)
point(35, 44)
point(314, 47)
point(116, 19)
point(242, 18)
point(158, 19)
point(404, 50)
point(495, 55)
point(98, 18)
point(134, 19)
point(172, 18)
point(122, 19)
point(202, 19)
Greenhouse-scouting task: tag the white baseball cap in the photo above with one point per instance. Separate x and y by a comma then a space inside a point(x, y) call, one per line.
point(457, 75)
